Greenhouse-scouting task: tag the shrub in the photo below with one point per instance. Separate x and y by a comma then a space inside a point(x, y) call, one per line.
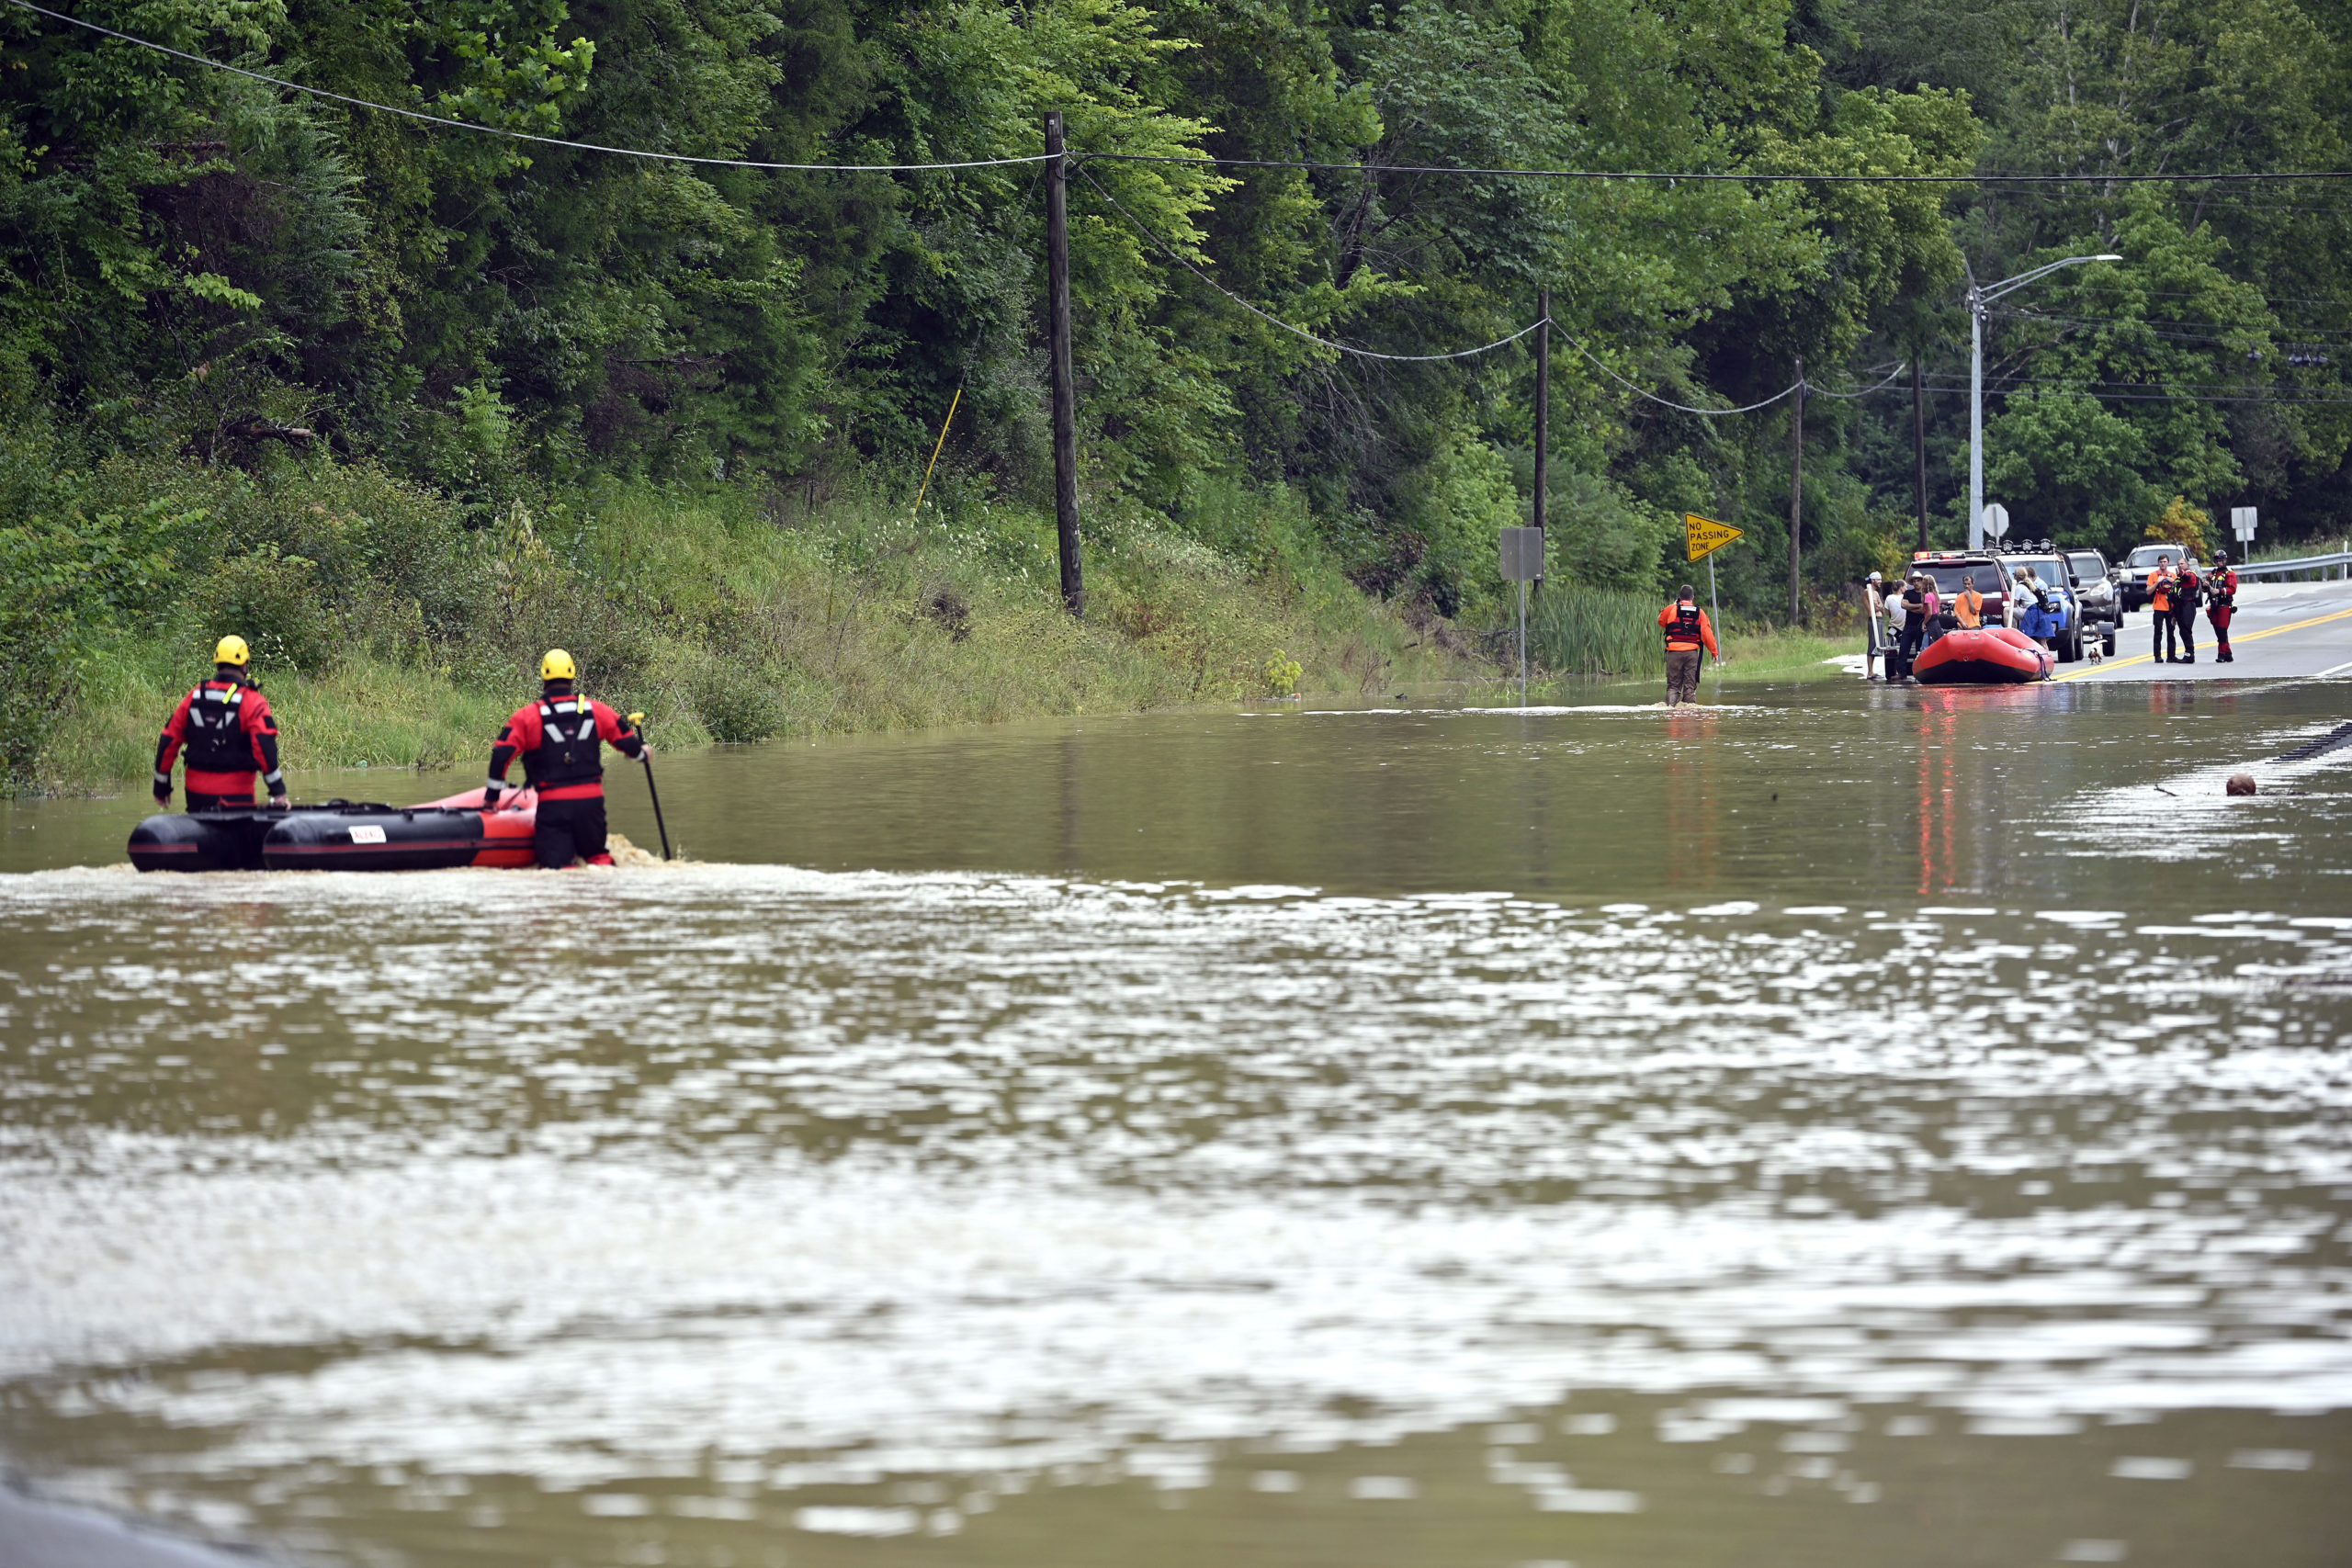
point(273, 601)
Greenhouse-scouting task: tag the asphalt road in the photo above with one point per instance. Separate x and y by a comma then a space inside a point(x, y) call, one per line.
point(2283, 631)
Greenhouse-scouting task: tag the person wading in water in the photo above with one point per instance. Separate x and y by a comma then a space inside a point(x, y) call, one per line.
point(230, 734)
point(561, 739)
point(1686, 632)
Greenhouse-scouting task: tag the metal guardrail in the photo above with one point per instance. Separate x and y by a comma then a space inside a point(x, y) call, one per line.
point(2341, 561)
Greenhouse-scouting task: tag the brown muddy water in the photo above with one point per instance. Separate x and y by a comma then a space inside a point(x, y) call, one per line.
point(1841, 1128)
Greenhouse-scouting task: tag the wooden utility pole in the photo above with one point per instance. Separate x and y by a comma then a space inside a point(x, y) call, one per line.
point(1064, 378)
point(1796, 497)
point(1542, 408)
point(1919, 449)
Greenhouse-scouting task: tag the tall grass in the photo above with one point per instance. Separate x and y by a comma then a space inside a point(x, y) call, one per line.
point(1596, 631)
point(388, 633)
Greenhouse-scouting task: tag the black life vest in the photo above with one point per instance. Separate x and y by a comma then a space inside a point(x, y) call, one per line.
point(1685, 625)
point(569, 750)
point(2222, 590)
point(217, 742)
point(2185, 591)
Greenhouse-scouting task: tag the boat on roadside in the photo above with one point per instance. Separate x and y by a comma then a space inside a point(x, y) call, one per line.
point(343, 835)
point(1989, 656)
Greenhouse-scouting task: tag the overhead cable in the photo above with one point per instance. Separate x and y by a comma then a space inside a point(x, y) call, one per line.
point(1186, 263)
point(1669, 402)
point(1644, 175)
point(1720, 178)
point(2170, 397)
point(1864, 392)
point(521, 135)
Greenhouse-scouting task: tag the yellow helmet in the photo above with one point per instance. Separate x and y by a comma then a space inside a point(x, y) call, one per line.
point(555, 666)
point(232, 651)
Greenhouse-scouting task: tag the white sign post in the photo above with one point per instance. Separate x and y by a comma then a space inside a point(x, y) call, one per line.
point(2241, 524)
point(1997, 520)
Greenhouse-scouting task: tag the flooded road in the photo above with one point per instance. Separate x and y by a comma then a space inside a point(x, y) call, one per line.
point(1839, 1128)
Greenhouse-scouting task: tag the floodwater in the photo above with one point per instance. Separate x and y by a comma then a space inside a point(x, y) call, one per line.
point(1839, 1128)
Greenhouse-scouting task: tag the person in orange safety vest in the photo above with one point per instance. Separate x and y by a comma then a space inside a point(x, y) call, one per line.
point(1687, 631)
point(2167, 629)
point(229, 734)
point(561, 739)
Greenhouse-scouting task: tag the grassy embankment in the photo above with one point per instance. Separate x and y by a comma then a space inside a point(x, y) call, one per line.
point(395, 628)
point(388, 633)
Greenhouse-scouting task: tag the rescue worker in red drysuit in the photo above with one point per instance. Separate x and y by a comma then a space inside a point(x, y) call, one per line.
point(561, 739)
point(1687, 631)
point(2221, 605)
point(229, 735)
point(2188, 588)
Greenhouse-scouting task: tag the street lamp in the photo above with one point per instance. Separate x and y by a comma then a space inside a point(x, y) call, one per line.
point(1979, 296)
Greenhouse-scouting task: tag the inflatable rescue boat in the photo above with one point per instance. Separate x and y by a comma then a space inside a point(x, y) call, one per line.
point(1994, 656)
point(341, 835)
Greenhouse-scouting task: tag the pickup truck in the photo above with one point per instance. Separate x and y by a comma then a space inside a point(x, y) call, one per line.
point(2132, 577)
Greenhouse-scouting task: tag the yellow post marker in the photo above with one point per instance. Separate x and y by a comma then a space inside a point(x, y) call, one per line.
point(1702, 537)
point(926, 488)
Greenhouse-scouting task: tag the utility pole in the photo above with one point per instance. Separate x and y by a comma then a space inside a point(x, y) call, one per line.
point(1542, 407)
point(1796, 498)
point(1057, 350)
point(1919, 449)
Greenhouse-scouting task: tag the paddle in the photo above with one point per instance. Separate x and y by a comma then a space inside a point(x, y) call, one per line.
point(636, 722)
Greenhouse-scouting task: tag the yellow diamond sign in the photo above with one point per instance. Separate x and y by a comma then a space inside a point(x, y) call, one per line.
point(1706, 534)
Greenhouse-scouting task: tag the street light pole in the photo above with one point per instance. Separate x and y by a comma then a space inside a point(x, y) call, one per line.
point(1976, 418)
point(1980, 297)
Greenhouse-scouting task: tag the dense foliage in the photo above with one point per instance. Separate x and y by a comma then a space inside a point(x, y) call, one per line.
point(206, 269)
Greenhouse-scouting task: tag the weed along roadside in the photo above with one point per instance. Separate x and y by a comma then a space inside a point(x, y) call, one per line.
point(388, 633)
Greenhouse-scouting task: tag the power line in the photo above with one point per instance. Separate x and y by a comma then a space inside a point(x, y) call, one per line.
point(1669, 402)
point(2165, 398)
point(1749, 178)
point(1186, 263)
point(2128, 385)
point(1812, 391)
point(2157, 328)
point(519, 135)
point(1718, 178)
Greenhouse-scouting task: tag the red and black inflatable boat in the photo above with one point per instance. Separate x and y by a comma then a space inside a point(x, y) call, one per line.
point(341, 835)
point(1994, 656)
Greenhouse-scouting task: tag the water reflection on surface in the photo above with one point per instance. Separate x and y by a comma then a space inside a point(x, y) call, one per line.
point(1370, 1137)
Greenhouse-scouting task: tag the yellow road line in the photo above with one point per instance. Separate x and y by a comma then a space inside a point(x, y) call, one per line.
point(2250, 637)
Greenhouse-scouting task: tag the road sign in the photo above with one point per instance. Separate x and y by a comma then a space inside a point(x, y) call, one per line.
point(1705, 535)
point(1522, 555)
point(1997, 520)
point(2242, 522)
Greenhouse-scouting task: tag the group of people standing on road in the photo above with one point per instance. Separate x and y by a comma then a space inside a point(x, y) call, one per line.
point(229, 736)
point(2173, 598)
point(1907, 616)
